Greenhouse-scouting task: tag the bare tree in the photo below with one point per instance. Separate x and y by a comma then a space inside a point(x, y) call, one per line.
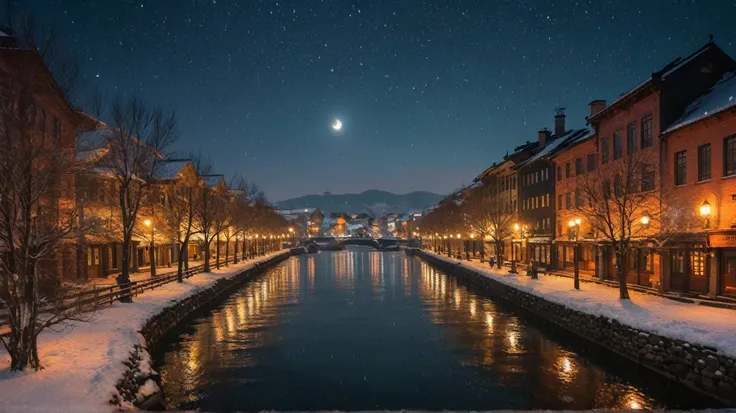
point(251, 202)
point(209, 204)
point(488, 216)
point(180, 218)
point(138, 136)
point(621, 204)
point(37, 214)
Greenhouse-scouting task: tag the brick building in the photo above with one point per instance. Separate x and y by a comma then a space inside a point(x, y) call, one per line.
point(575, 160)
point(537, 193)
point(699, 167)
point(25, 76)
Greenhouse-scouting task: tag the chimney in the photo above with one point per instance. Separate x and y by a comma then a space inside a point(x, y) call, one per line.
point(543, 135)
point(596, 106)
point(560, 122)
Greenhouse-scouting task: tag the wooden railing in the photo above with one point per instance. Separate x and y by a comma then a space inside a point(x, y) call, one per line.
point(97, 297)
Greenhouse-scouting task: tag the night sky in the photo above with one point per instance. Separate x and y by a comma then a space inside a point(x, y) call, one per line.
point(429, 93)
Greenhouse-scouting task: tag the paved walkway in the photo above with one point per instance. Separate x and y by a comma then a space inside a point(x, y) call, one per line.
point(709, 326)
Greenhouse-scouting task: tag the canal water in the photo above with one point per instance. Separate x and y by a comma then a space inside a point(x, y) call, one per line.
point(367, 330)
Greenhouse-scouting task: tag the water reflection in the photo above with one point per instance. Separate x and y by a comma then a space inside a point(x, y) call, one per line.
point(365, 330)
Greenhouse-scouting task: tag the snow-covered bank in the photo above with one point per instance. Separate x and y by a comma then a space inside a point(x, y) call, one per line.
point(83, 362)
point(706, 326)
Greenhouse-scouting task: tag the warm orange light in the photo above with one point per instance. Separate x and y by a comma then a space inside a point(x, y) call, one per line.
point(147, 222)
point(645, 220)
point(705, 209)
point(458, 236)
point(516, 227)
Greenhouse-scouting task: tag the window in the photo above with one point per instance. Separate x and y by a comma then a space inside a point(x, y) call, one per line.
point(647, 178)
point(536, 202)
point(567, 170)
point(591, 162)
point(618, 149)
point(604, 149)
point(631, 138)
point(579, 166)
point(547, 196)
point(697, 263)
point(646, 131)
point(578, 201)
point(680, 167)
point(729, 156)
point(567, 200)
point(559, 173)
point(704, 162)
point(559, 201)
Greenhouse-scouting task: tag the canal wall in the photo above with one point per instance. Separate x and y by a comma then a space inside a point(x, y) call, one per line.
point(140, 384)
point(700, 368)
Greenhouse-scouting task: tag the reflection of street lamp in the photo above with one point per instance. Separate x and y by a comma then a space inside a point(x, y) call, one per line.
point(705, 212)
point(151, 253)
point(575, 228)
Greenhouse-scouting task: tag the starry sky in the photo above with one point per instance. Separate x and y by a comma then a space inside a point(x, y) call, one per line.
point(429, 92)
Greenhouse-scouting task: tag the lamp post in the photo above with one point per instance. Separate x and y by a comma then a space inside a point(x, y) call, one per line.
point(291, 233)
point(459, 248)
point(705, 213)
point(151, 253)
point(575, 228)
point(515, 253)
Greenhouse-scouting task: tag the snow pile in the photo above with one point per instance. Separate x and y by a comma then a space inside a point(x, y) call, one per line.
point(708, 326)
point(84, 360)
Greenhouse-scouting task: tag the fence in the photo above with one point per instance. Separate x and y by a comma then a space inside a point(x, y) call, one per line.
point(97, 297)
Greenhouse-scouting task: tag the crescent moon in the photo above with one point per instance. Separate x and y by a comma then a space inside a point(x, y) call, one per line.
point(337, 124)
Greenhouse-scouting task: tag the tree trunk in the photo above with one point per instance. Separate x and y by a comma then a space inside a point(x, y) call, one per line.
point(123, 279)
point(22, 344)
point(217, 252)
point(235, 254)
point(206, 257)
point(227, 251)
point(622, 287)
point(498, 255)
point(180, 264)
point(152, 259)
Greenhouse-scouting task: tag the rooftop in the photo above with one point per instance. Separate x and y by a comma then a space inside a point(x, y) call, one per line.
point(721, 97)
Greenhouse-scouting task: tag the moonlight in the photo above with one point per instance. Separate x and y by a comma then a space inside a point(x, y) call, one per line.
point(337, 125)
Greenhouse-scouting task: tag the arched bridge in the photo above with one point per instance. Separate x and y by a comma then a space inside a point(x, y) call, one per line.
point(378, 244)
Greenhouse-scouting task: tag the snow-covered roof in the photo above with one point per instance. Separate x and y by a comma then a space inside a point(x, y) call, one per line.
point(556, 144)
point(213, 180)
point(663, 73)
point(95, 139)
point(168, 169)
point(721, 97)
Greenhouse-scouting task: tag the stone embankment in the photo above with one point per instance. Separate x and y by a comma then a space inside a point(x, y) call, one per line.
point(698, 367)
point(139, 385)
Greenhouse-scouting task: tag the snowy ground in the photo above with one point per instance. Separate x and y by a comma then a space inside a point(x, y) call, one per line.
point(84, 361)
point(714, 327)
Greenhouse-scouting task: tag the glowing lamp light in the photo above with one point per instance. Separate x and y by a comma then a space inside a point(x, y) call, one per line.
point(705, 209)
point(578, 221)
point(147, 222)
point(516, 227)
point(458, 236)
point(645, 220)
point(571, 223)
point(472, 236)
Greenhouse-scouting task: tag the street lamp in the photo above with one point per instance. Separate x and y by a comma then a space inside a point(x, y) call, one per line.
point(575, 227)
point(705, 212)
point(151, 253)
point(645, 220)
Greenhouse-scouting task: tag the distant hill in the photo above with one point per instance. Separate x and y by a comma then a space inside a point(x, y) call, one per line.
point(371, 201)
